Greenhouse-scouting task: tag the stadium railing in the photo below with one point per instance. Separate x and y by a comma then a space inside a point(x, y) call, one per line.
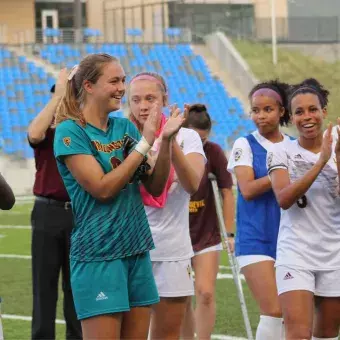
point(130, 35)
point(231, 60)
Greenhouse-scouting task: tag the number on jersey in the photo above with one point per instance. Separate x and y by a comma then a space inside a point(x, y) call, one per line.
point(302, 202)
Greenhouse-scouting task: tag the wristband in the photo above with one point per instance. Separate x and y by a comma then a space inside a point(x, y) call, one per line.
point(143, 146)
point(230, 234)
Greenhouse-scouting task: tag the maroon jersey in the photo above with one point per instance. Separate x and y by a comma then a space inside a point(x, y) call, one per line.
point(204, 229)
point(48, 182)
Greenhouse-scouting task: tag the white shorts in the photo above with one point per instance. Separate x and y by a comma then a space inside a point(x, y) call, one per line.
point(217, 247)
point(174, 278)
point(246, 260)
point(320, 282)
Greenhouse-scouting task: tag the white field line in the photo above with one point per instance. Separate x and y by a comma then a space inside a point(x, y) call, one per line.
point(15, 227)
point(220, 276)
point(14, 256)
point(5, 212)
point(27, 227)
point(25, 318)
point(58, 321)
point(24, 198)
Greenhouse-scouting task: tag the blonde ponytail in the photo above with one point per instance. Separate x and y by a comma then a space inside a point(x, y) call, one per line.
point(90, 68)
point(69, 107)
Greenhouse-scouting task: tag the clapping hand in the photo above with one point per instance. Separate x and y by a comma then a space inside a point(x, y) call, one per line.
point(174, 123)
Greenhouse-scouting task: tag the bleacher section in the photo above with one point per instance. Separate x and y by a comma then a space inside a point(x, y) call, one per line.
point(187, 75)
point(25, 88)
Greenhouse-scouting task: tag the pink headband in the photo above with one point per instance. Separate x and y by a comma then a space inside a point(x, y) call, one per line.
point(148, 77)
point(268, 93)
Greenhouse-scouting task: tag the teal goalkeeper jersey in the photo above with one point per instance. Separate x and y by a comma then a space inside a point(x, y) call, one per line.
point(110, 230)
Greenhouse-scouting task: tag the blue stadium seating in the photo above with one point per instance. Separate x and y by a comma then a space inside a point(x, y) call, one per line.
point(187, 75)
point(24, 87)
point(24, 90)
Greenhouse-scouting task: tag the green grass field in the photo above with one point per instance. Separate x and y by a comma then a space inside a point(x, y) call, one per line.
point(293, 67)
point(15, 285)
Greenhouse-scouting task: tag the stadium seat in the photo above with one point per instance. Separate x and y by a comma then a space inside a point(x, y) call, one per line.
point(134, 32)
point(90, 32)
point(52, 32)
point(25, 87)
point(173, 32)
point(24, 91)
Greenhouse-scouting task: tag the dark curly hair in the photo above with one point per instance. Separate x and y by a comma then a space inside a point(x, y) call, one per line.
point(282, 90)
point(309, 85)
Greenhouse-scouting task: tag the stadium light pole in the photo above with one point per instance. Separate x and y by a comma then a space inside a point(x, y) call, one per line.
point(274, 40)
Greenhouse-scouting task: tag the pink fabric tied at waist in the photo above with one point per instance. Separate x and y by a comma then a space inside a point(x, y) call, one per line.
point(148, 199)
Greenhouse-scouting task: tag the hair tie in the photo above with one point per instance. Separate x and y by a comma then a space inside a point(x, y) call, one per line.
point(304, 88)
point(73, 72)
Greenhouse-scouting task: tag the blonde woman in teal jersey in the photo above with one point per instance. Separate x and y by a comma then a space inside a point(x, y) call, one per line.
point(102, 161)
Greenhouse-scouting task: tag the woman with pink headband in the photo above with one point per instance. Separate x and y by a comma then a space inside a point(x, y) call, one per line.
point(168, 214)
point(258, 214)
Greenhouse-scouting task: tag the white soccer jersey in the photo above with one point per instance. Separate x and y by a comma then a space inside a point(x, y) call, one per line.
point(309, 235)
point(241, 153)
point(170, 225)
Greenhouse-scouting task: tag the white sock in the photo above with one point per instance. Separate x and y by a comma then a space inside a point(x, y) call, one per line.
point(314, 338)
point(270, 328)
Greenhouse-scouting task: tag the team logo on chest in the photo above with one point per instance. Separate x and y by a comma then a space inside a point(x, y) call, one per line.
point(269, 159)
point(237, 154)
point(67, 141)
point(108, 148)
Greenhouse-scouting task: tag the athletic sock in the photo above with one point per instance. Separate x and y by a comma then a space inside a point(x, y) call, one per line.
point(314, 338)
point(270, 328)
